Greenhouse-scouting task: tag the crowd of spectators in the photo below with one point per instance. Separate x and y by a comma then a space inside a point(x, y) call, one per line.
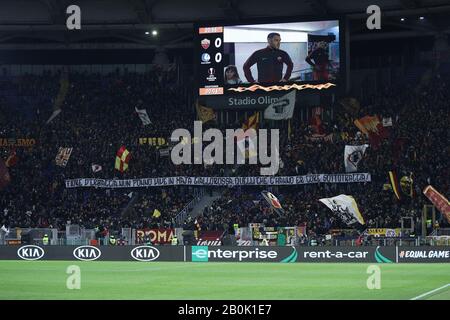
point(417, 144)
point(98, 117)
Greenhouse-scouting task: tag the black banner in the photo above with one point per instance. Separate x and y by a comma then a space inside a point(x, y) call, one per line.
point(241, 254)
point(347, 254)
point(423, 254)
point(291, 254)
point(243, 101)
point(287, 254)
point(91, 253)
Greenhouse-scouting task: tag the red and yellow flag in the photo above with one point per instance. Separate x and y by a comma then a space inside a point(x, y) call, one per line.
point(439, 201)
point(205, 114)
point(122, 159)
point(252, 122)
point(373, 128)
point(395, 185)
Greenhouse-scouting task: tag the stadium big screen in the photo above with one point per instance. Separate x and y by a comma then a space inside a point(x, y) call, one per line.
point(233, 58)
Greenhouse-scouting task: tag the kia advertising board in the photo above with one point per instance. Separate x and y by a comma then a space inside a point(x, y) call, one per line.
point(30, 252)
point(93, 253)
point(87, 253)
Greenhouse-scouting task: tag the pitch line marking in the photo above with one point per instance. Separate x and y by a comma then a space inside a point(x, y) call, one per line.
point(430, 292)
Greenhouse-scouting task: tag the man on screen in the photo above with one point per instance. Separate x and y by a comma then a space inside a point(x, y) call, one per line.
point(269, 62)
point(318, 59)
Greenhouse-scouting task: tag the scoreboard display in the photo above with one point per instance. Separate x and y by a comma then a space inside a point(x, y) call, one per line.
point(211, 60)
point(233, 58)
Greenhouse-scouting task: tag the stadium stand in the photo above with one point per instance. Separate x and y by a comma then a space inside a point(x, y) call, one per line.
point(98, 117)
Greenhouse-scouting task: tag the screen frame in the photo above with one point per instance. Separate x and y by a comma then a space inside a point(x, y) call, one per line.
point(340, 83)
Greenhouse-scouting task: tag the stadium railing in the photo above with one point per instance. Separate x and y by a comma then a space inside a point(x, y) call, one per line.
point(442, 232)
point(82, 236)
point(377, 241)
point(128, 235)
point(76, 235)
point(181, 216)
point(29, 236)
point(438, 240)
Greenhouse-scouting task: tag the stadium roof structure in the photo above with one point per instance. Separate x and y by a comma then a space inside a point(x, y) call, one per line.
point(40, 24)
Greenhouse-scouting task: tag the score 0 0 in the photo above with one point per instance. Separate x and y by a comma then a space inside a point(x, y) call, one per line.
point(218, 55)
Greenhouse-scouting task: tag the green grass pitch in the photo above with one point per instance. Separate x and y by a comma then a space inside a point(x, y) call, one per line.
point(215, 281)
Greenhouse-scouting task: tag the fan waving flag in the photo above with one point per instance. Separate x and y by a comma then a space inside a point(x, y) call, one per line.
point(245, 142)
point(407, 185)
point(156, 213)
point(273, 201)
point(252, 122)
point(205, 114)
point(345, 207)
point(373, 128)
point(63, 156)
point(143, 115)
point(352, 156)
point(53, 116)
point(282, 109)
point(394, 184)
point(122, 159)
point(96, 168)
point(439, 200)
point(5, 229)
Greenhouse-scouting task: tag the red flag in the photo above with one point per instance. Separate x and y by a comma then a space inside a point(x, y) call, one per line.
point(371, 126)
point(438, 200)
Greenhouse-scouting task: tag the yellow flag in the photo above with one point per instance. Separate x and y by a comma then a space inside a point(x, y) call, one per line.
point(387, 186)
point(205, 114)
point(252, 122)
point(156, 213)
point(406, 184)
